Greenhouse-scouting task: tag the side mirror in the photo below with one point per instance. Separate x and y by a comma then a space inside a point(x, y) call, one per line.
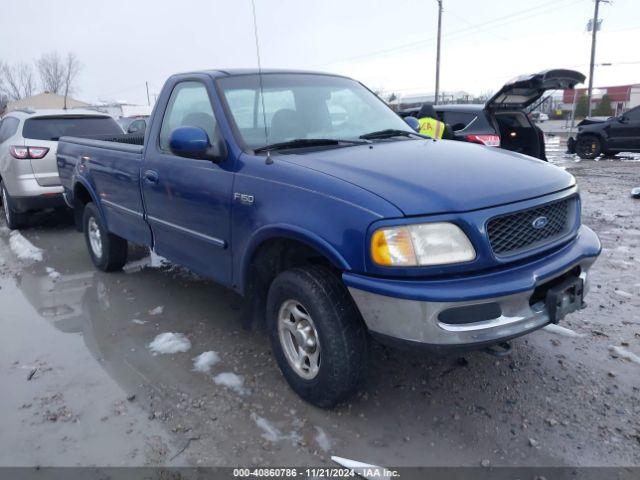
point(413, 123)
point(193, 142)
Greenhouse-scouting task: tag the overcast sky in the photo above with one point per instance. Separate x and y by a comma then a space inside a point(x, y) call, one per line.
point(385, 44)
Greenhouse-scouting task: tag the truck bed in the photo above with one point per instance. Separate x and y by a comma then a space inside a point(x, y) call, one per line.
point(109, 164)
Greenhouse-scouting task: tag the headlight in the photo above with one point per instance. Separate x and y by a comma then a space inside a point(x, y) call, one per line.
point(421, 245)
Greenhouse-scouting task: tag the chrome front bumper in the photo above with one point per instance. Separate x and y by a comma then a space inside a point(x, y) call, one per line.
point(418, 322)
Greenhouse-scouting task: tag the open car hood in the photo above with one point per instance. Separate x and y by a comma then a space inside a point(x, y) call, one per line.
point(522, 91)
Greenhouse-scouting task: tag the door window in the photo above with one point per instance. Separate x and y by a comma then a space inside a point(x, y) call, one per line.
point(189, 106)
point(458, 120)
point(633, 115)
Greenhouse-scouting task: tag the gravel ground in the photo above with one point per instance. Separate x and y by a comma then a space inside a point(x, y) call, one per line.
point(82, 387)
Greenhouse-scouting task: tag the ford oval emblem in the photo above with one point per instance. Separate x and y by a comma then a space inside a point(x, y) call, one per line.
point(540, 222)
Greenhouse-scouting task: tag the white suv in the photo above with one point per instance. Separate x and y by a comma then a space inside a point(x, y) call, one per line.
point(28, 142)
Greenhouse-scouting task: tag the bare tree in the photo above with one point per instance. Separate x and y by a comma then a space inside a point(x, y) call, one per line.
point(52, 72)
point(72, 68)
point(17, 81)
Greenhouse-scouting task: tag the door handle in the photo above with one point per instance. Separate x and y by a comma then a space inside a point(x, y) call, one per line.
point(151, 176)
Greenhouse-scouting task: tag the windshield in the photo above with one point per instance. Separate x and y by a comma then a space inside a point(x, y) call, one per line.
point(304, 106)
point(52, 128)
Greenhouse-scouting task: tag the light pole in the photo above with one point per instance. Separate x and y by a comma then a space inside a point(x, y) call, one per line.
point(438, 51)
point(594, 31)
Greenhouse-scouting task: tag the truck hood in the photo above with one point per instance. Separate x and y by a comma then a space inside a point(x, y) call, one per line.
point(592, 121)
point(422, 177)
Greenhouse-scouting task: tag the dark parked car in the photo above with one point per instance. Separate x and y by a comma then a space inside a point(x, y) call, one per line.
point(502, 121)
point(610, 136)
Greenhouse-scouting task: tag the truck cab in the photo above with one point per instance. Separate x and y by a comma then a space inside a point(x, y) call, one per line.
point(338, 223)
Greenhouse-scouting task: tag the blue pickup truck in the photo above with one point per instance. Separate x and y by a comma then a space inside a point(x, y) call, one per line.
point(338, 222)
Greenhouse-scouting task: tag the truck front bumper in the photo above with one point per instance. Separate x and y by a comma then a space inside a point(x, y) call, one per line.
point(474, 311)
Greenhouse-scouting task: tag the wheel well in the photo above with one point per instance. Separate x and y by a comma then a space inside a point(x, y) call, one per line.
point(81, 197)
point(273, 257)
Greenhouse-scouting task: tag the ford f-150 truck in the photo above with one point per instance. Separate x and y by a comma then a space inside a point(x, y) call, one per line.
point(336, 220)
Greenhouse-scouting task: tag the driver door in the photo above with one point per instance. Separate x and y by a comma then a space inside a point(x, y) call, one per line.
point(188, 200)
point(624, 132)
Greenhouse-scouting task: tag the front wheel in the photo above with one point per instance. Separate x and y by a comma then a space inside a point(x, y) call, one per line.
point(317, 335)
point(588, 147)
point(108, 251)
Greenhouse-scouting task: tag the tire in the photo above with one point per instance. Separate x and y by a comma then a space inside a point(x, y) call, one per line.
point(340, 335)
point(107, 251)
point(14, 219)
point(588, 147)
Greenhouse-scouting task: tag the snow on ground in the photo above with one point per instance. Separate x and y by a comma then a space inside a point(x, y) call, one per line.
point(323, 440)
point(23, 248)
point(272, 433)
point(624, 353)
point(53, 274)
point(170, 343)
point(622, 293)
point(137, 321)
point(204, 361)
point(269, 431)
point(157, 310)
point(232, 381)
point(565, 332)
point(157, 261)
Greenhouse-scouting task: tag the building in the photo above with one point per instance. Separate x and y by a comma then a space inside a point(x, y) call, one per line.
point(623, 97)
point(45, 100)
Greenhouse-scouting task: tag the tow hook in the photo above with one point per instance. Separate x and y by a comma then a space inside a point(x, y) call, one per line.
point(499, 350)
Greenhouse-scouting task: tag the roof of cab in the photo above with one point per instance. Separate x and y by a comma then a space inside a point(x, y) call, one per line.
point(229, 72)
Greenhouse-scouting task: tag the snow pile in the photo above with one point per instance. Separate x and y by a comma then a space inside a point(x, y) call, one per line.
point(204, 361)
point(622, 293)
point(170, 343)
point(565, 332)
point(269, 431)
point(137, 321)
point(156, 311)
point(323, 440)
point(23, 248)
point(157, 261)
point(272, 433)
point(232, 381)
point(624, 353)
point(53, 274)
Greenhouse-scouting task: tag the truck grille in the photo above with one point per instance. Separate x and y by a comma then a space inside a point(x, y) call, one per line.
point(515, 233)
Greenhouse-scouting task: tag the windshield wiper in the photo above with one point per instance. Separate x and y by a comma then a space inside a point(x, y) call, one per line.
point(307, 142)
point(388, 133)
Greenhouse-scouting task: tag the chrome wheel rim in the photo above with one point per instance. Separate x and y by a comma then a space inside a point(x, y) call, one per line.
point(299, 339)
point(95, 237)
point(5, 205)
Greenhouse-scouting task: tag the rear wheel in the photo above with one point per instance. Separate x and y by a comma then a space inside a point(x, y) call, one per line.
point(14, 219)
point(588, 147)
point(317, 335)
point(108, 251)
